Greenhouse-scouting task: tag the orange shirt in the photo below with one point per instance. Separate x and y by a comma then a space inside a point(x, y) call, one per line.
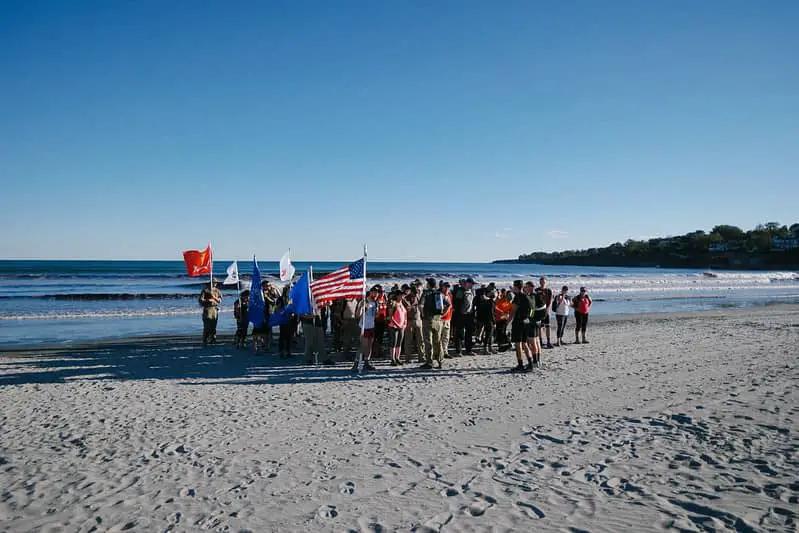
point(502, 307)
point(448, 314)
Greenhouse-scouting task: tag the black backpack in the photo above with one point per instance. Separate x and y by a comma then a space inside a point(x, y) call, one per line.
point(430, 308)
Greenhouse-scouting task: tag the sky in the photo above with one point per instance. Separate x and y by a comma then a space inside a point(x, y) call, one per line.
point(432, 130)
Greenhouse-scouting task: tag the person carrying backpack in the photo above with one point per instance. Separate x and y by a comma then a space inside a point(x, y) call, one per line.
point(435, 305)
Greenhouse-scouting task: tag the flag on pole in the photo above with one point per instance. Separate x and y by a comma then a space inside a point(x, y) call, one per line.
point(286, 268)
point(198, 262)
point(299, 303)
point(300, 296)
point(346, 282)
point(232, 274)
point(256, 304)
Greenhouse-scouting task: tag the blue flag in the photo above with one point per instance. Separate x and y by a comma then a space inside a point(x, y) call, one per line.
point(300, 296)
point(256, 304)
point(280, 317)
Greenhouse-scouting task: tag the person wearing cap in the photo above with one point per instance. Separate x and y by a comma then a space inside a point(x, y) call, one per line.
point(210, 298)
point(581, 304)
point(463, 317)
point(520, 322)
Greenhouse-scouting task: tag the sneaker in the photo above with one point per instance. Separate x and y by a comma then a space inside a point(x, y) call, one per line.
point(457, 354)
point(470, 353)
point(439, 365)
point(354, 367)
point(368, 366)
point(328, 362)
point(529, 367)
point(426, 366)
point(393, 363)
point(585, 341)
point(549, 345)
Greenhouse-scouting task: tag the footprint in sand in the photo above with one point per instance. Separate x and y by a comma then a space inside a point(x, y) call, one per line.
point(347, 488)
point(327, 512)
point(531, 510)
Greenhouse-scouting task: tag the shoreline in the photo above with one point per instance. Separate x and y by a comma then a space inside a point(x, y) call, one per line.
point(226, 338)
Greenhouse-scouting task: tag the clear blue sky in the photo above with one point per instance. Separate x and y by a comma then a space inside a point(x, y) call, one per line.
point(432, 130)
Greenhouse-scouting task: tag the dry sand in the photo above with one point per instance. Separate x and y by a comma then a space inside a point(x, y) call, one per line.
point(668, 422)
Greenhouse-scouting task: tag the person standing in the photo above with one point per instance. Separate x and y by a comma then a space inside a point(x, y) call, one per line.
point(465, 318)
point(502, 311)
point(413, 333)
point(446, 319)
point(349, 327)
point(582, 305)
point(336, 322)
point(287, 329)
point(534, 328)
point(432, 310)
point(367, 311)
point(398, 320)
point(543, 297)
point(485, 319)
point(381, 321)
point(313, 328)
point(520, 325)
point(240, 312)
point(561, 305)
point(210, 298)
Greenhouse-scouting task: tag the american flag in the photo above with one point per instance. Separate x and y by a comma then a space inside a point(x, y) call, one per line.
point(346, 282)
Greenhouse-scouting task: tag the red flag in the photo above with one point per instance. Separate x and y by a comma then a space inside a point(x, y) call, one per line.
point(198, 262)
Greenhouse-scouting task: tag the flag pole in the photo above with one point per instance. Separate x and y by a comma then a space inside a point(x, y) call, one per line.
point(363, 317)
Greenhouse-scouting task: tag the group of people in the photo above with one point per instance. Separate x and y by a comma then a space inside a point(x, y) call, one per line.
point(421, 320)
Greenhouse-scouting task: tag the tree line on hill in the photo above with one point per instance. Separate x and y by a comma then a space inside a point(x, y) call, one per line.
point(767, 246)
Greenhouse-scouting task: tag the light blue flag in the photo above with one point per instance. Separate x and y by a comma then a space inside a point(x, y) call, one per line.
point(256, 304)
point(300, 296)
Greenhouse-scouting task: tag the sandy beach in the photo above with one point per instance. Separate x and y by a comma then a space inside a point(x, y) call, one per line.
point(662, 423)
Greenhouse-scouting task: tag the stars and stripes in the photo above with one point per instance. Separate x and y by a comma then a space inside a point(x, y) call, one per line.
point(346, 282)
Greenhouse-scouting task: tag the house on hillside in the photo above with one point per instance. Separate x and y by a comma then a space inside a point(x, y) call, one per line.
point(780, 243)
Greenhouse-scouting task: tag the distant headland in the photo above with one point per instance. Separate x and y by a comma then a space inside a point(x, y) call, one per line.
point(768, 246)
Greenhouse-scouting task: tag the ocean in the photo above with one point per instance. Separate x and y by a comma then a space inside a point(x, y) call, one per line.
point(61, 302)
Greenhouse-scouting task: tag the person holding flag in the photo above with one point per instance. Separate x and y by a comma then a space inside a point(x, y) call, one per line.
point(199, 263)
point(210, 298)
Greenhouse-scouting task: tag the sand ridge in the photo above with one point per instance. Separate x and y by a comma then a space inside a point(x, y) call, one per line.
point(680, 423)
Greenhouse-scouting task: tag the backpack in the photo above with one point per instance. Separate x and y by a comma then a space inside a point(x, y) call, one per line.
point(430, 307)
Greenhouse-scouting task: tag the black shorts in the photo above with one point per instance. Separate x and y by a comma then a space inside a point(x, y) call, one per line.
point(533, 330)
point(518, 331)
point(541, 317)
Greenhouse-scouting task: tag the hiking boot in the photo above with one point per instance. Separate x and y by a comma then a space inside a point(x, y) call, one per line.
point(518, 369)
point(426, 366)
point(354, 367)
point(549, 345)
point(368, 366)
point(529, 367)
point(440, 365)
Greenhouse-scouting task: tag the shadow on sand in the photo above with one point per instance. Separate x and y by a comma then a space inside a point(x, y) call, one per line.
point(181, 358)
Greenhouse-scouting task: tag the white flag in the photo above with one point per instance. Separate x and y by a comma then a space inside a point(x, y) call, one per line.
point(286, 268)
point(232, 274)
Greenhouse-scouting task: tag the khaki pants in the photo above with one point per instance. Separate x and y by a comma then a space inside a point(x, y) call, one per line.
point(210, 318)
point(432, 340)
point(414, 343)
point(445, 329)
